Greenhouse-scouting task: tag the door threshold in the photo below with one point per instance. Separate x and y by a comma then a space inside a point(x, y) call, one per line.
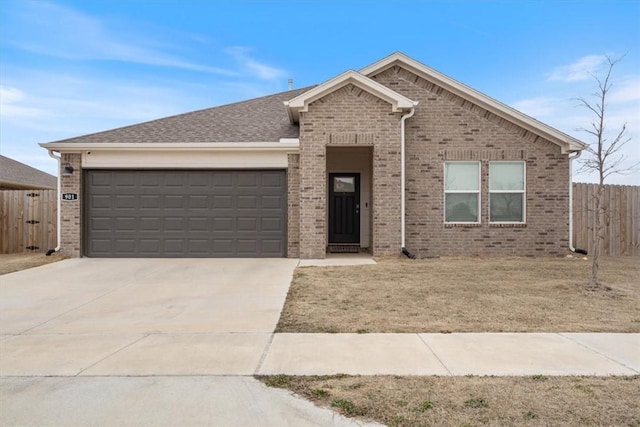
point(343, 248)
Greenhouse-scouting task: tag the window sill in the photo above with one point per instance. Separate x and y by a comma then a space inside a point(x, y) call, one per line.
point(463, 225)
point(508, 225)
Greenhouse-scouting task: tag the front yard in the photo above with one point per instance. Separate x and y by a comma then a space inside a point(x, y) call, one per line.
point(465, 295)
point(468, 295)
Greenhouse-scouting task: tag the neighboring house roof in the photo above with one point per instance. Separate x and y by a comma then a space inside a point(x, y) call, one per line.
point(16, 175)
point(301, 102)
point(567, 142)
point(256, 120)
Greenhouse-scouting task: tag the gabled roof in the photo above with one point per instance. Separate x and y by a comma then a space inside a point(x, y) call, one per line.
point(255, 120)
point(301, 102)
point(16, 175)
point(568, 143)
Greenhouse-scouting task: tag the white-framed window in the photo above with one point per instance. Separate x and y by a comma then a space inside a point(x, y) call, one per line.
point(507, 188)
point(462, 192)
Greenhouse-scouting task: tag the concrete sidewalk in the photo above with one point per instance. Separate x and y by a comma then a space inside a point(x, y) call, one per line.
point(453, 354)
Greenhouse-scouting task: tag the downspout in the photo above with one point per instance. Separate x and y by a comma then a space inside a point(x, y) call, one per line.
point(403, 119)
point(571, 247)
point(58, 227)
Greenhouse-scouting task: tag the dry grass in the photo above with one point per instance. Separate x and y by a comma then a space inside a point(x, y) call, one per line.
point(465, 295)
point(10, 263)
point(466, 401)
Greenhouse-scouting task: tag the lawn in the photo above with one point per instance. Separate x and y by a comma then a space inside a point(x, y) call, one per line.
point(465, 295)
point(10, 263)
point(468, 401)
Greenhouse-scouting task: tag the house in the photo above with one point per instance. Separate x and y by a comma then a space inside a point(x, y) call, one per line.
point(394, 157)
point(18, 176)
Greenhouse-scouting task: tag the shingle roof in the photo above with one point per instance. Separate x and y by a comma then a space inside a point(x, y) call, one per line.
point(262, 119)
point(14, 174)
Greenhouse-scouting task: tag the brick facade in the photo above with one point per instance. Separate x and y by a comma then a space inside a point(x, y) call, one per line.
point(349, 117)
point(446, 127)
point(70, 210)
point(293, 206)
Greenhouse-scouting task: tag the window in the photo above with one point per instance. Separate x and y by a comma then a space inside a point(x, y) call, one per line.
point(462, 192)
point(344, 184)
point(506, 192)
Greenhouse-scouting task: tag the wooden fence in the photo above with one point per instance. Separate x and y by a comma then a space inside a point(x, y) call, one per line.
point(621, 222)
point(28, 220)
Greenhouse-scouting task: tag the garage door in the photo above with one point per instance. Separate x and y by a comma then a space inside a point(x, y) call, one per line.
point(185, 213)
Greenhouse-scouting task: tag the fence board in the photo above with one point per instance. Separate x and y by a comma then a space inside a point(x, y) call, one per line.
point(16, 209)
point(621, 222)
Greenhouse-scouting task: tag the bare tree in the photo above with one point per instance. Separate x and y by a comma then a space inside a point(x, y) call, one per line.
point(604, 156)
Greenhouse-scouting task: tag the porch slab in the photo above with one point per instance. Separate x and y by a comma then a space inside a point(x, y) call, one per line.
point(353, 354)
point(339, 260)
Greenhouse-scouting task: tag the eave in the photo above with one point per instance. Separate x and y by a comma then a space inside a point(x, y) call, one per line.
point(301, 103)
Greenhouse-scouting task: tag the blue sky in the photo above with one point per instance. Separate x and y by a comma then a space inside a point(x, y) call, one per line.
point(69, 68)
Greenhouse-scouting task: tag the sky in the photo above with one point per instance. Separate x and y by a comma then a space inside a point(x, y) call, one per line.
point(73, 67)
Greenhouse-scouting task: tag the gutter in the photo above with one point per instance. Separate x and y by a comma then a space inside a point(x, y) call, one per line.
point(571, 247)
point(58, 227)
point(404, 118)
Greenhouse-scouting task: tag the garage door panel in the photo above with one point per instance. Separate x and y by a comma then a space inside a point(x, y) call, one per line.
point(272, 180)
point(247, 202)
point(247, 224)
point(174, 202)
point(125, 201)
point(100, 201)
point(185, 213)
point(124, 180)
point(195, 202)
point(272, 246)
point(222, 202)
point(124, 246)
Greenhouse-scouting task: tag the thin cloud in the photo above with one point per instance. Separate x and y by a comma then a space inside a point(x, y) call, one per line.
point(59, 31)
point(580, 70)
point(259, 69)
point(539, 107)
point(12, 105)
point(627, 90)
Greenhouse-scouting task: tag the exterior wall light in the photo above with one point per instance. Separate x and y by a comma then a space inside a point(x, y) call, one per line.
point(68, 169)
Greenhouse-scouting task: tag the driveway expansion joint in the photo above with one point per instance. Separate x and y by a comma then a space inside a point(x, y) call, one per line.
point(112, 354)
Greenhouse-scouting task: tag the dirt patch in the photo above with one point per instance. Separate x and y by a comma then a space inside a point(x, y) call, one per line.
point(466, 401)
point(465, 295)
point(10, 263)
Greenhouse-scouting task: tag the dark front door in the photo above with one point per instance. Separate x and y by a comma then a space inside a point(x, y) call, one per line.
point(344, 208)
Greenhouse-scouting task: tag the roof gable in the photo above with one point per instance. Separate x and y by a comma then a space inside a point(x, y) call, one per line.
point(301, 102)
point(566, 142)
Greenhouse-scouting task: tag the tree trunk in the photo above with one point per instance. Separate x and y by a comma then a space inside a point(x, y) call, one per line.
point(598, 236)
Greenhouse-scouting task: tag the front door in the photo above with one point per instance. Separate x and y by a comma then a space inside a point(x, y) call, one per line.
point(344, 208)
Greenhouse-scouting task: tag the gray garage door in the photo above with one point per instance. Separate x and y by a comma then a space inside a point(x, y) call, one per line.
point(185, 213)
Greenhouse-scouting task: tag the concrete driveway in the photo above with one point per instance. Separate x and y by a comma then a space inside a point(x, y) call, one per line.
point(144, 341)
